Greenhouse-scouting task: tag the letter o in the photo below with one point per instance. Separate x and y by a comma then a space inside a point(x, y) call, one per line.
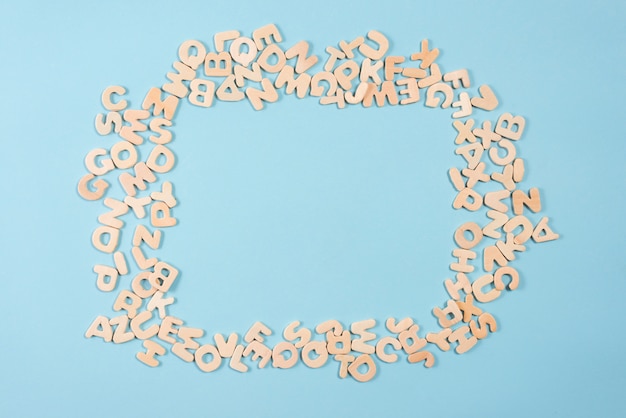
point(320, 349)
point(477, 235)
point(124, 163)
point(211, 365)
point(279, 360)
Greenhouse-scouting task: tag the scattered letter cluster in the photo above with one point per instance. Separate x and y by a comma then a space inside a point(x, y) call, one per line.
point(355, 72)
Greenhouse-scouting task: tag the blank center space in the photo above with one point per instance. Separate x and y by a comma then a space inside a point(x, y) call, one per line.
point(292, 215)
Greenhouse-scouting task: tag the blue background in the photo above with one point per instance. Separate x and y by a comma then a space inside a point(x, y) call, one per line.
point(303, 212)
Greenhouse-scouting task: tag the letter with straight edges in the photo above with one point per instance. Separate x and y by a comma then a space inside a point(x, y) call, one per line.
point(177, 87)
point(128, 301)
point(300, 84)
point(100, 327)
point(134, 117)
point(257, 97)
point(131, 183)
point(387, 91)
point(300, 50)
point(218, 65)
point(154, 100)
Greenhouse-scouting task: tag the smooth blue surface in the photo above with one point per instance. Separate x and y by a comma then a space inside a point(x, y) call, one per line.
point(304, 212)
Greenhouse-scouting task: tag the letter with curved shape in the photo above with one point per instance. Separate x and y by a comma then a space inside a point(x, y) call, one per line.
point(433, 101)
